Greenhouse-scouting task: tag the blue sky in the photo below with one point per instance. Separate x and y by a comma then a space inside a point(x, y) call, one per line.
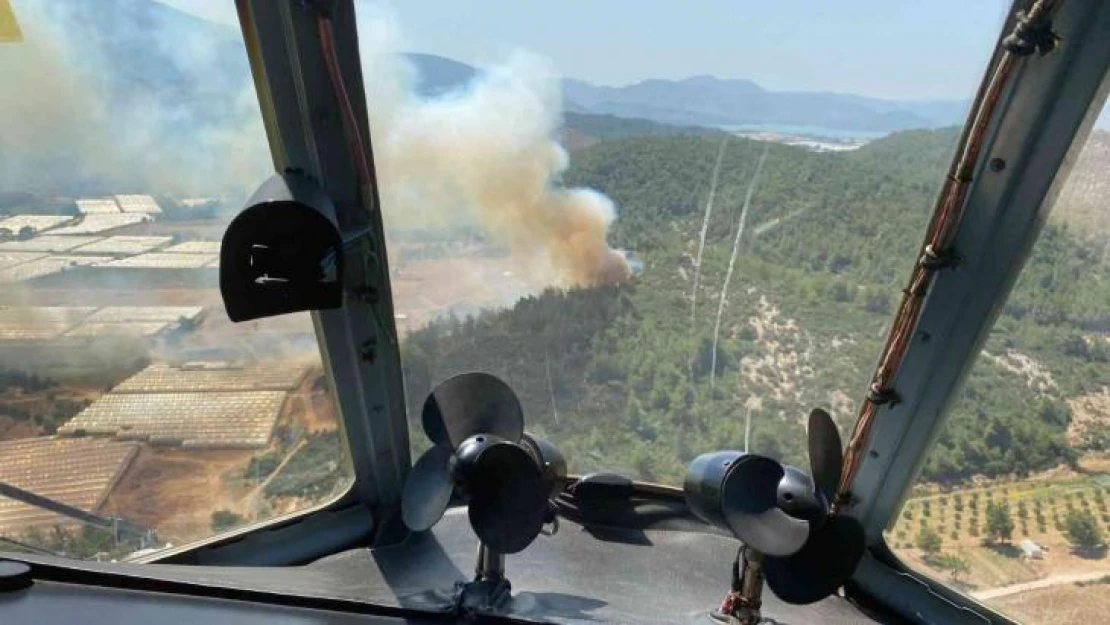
point(898, 49)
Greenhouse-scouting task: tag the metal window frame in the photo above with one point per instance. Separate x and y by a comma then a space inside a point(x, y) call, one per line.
point(358, 342)
point(1038, 130)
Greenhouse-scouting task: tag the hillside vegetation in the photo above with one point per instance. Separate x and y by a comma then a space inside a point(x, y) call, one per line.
point(623, 377)
point(1084, 201)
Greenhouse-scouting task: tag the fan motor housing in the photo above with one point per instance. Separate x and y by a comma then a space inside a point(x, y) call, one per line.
point(705, 482)
point(798, 496)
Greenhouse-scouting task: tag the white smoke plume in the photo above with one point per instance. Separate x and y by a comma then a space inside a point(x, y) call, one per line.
point(485, 153)
point(72, 121)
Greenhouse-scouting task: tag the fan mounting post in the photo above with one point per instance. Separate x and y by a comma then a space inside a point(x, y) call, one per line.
point(742, 603)
point(490, 588)
point(491, 564)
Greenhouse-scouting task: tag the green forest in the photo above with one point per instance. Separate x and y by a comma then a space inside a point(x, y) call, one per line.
point(623, 378)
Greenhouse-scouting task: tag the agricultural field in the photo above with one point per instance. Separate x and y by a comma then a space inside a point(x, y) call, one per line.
point(196, 419)
point(102, 330)
point(1038, 510)
point(123, 245)
point(49, 322)
point(47, 266)
point(194, 247)
point(163, 260)
point(215, 377)
point(180, 493)
point(97, 206)
point(94, 223)
point(138, 204)
point(48, 243)
point(132, 314)
point(78, 472)
point(18, 225)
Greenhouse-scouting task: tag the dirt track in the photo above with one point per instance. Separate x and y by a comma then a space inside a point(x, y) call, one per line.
point(1065, 603)
point(1053, 580)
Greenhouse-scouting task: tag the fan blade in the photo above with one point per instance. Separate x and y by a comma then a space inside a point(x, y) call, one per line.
point(826, 561)
point(508, 500)
point(427, 490)
point(826, 454)
point(748, 505)
point(472, 403)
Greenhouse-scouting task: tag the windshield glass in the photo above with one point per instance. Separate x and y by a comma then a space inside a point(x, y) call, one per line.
point(1011, 503)
point(670, 229)
point(133, 414)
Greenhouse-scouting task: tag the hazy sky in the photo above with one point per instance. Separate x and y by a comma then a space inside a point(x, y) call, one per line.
point(899, 49)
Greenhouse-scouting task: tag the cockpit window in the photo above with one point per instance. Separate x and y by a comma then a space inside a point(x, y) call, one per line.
point(133, 414)
point(679, 232)
point(1011, 503)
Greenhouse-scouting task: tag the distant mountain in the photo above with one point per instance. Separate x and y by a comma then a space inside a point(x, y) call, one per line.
point(711, 101)
point(157, 50)
point(582, 130)
point(438, 74)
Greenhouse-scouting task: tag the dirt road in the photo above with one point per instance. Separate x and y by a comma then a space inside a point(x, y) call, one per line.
point(1051, 580)
point(254, 498)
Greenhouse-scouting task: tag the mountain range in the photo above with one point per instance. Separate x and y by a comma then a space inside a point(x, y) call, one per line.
point(712, 101)
point(141, 53)
point(717, 102)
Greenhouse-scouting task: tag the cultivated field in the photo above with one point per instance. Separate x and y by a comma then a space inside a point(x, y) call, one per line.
point(78, 472)
point(1038, 509)
point(213, 377)
point(176, 491)
point(227, 420)
point(1031, 590)
point(23, 323)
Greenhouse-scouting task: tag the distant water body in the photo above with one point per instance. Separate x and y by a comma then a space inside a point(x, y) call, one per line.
point(807, 131)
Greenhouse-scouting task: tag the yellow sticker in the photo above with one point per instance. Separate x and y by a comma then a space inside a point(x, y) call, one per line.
point(9, 28)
